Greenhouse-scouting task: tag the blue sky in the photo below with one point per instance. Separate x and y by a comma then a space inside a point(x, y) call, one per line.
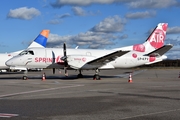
point(97, 24)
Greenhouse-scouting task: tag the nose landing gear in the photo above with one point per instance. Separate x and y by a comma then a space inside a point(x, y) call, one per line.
point(96, 76)
point(25, 75)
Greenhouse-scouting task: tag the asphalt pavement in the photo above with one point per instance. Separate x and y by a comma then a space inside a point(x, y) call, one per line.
point(152, 94)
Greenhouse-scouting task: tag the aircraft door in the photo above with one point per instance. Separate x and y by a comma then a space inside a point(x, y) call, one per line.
point(50, 57)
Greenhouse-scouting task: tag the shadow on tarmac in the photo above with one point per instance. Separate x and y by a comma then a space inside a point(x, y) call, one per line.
point(38, 75)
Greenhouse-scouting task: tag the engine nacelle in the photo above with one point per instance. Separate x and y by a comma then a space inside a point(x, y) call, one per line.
point(79, 61)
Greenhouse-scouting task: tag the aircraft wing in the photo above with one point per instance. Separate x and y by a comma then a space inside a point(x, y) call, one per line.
point(160, 51)
point(107, 58)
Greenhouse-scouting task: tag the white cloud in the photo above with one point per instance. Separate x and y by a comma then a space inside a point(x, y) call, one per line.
point(23, 13)
point(99, 36)
point(170, 40)
point(55, 22)
point(60, 3)
point(173, 30)
point(58, 19)
point(110, 24)
point(86, 40)
point(152, 3)
point(79, 11)
point(123, 36)
point(63, 15)
point(140, 15)
point(130, 3)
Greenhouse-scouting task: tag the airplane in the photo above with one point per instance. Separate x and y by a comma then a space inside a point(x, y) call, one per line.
point(151, 51)
point(39, 42)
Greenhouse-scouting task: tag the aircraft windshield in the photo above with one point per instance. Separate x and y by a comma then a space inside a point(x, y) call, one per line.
point(27, 52)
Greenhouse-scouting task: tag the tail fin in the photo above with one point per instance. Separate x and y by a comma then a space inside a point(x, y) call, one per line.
point(40, 40)
point(155, 40)
point(157, 37)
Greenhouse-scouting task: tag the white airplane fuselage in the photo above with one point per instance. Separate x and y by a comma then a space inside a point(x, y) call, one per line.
point(77, 59)
point(39, 41)
point(6, 56)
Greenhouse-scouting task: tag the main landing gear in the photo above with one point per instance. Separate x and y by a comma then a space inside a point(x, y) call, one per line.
point(80, 74)
point(96, 76)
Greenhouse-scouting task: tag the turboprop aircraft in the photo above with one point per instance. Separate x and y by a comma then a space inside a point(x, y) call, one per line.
point(149, 52)
point(39, 42)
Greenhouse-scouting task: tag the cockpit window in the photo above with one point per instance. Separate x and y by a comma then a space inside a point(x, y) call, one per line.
point(23, 52)
point(31, 52)
point(27, 52)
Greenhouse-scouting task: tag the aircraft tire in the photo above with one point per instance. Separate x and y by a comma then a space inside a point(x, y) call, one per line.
point(80, 76)
point(24, 77)
point(96, 77)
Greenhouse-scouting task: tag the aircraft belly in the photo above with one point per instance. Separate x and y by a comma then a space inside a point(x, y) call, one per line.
point(55, 65)
point(82, 65)
point(124, 63)
point(107, 66)
point(80, 62)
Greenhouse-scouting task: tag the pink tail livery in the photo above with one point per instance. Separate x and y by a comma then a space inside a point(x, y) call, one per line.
point(155, 40)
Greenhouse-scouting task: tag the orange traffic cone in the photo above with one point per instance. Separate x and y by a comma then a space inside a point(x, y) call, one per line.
point(43, 77)
point(130, 78)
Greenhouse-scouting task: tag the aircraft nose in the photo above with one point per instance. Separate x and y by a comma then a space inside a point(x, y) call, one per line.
point(9, 63)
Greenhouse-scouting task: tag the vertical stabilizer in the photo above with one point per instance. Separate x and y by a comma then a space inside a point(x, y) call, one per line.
point(40, 40)
point(155, 40)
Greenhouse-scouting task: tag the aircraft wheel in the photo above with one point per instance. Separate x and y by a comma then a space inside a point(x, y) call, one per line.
point(25, 78)
point(80, 76)
point(96, 77)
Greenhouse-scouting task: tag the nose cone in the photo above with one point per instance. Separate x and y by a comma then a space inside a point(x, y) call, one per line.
point(9, 63)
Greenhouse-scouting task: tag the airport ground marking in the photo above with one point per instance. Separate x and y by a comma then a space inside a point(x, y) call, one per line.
point(166, 86)
point(7, 115)
point(155, 113)
point(54, 94)
point(41, 90)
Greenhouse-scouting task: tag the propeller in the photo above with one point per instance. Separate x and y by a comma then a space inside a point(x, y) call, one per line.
point(64, 58)
point(54, 59)
point(53, 70)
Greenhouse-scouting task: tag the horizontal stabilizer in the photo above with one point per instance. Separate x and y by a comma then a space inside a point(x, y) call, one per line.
point(107, 58)
point(160, 51)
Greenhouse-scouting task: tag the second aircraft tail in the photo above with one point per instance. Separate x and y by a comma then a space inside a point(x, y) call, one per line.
point(40, 40)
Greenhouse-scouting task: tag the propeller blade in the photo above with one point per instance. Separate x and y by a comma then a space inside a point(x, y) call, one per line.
point(53, 70)
point(65, 59)
point(64, 48)
point(65, 56)
point(65, 69)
